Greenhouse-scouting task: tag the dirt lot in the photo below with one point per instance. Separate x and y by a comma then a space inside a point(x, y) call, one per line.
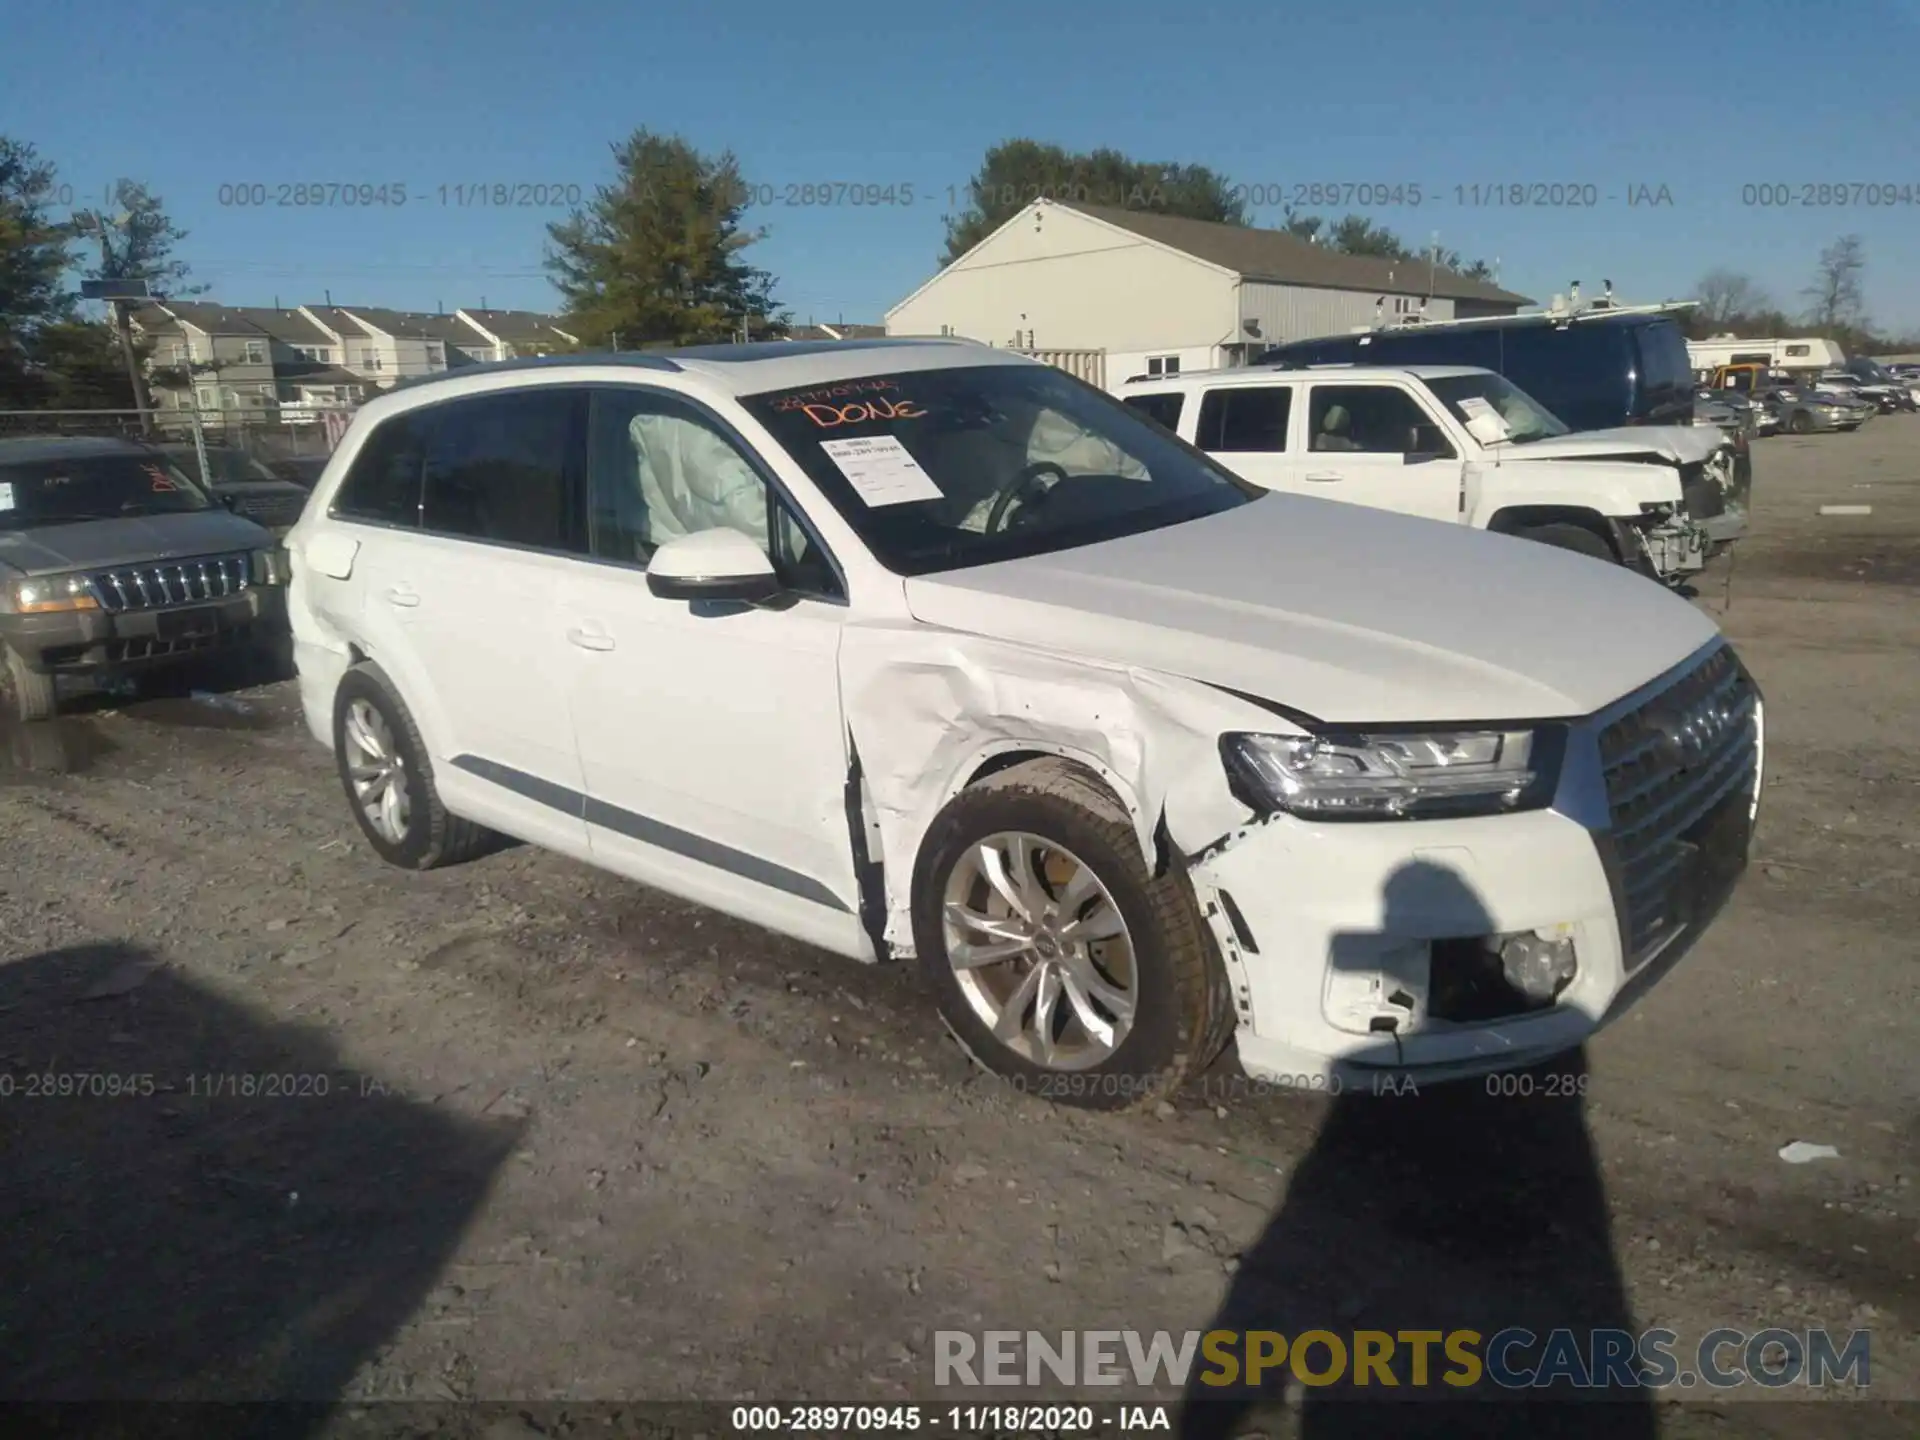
point(552, 1137)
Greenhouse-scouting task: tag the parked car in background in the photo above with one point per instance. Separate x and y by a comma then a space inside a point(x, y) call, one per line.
point(1872, 400)
point(1877, 381)
point(114, 561)
point(1729, 411)
point(1879, 399)
point(1803, 411)
point(243, 484)
point(921, 649)
point(1464, 445)
point(302, 470)
point(1733, 410)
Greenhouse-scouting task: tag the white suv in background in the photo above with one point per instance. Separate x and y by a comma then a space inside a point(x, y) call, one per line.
point(918, 648)
point(1456, 443)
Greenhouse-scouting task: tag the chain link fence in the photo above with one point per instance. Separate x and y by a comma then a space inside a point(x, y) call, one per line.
point(290, 445)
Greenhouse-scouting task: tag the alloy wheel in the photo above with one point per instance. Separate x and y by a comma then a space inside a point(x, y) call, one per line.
point(377, 772)
point(1040, 950)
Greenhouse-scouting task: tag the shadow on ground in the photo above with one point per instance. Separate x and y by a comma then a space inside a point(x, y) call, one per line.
point(1459, 1208)
point(184, 1239)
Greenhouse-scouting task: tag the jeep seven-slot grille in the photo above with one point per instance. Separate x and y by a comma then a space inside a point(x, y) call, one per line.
point(177, 582)
point(1668, 764)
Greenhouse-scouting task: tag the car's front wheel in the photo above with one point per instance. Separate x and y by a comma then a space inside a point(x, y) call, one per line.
point(389, 780)
point(1059, 962)
point(1563, 535)
point(34, 695)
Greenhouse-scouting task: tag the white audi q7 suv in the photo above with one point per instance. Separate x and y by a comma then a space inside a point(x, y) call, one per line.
point(922, 649)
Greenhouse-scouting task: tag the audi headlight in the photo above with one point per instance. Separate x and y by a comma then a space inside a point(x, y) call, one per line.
point(51, 594)
point(1395, 776)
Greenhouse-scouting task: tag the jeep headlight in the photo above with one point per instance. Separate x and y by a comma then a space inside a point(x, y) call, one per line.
point(270, 566)
point(1395, 776)
point(52, 594)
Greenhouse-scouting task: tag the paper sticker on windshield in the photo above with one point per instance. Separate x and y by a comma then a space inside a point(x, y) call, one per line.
point(6, 495)
point(1474, 408)
point(881, 470)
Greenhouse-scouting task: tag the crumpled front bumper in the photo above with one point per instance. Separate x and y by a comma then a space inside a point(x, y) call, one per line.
point(1335, 921)
point(1345, 944)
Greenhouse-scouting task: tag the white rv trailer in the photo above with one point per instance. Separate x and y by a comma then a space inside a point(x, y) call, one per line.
point(1796, 354)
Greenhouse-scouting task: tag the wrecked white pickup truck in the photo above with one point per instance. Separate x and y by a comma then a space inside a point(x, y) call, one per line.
point(1465, 445)
point(921, 649)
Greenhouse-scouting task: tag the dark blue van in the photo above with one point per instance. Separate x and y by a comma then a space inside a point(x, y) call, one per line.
point(1594, 371)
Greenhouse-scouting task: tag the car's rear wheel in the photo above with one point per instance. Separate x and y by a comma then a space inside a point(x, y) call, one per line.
point(1577, 538)
point(389, 780)
point(34, 694)
point(1058, 961)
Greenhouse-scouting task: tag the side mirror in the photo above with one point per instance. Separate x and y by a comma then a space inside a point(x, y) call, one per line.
point(230, 501)
point(713, 565)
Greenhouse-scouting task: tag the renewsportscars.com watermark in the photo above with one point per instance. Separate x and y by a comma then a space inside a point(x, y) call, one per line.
point(1510, 1359)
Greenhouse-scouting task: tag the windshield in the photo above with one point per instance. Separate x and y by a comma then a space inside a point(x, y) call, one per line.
point(225, 467)
point(1526, 418)
point(78, 488)
point(939, 469)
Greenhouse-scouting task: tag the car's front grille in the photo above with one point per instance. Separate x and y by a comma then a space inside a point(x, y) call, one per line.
point(151, 647)
point(1671, 764)
point(176, 582)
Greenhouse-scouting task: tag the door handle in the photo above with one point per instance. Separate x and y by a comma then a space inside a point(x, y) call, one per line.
point(594, 639)
point(1325, 477)
point(403, 596)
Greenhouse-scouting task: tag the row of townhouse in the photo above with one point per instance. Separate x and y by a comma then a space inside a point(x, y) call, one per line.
point(301, 362)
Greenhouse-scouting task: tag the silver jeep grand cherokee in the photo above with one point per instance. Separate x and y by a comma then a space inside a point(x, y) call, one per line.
point(113, 561)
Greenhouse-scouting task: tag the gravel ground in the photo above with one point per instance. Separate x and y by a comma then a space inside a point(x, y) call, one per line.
point(522, 1131)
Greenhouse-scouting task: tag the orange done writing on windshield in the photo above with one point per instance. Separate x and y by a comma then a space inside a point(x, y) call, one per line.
point(829, 417)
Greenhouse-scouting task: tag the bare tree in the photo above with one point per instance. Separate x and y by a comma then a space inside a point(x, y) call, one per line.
point(1726, 296)
point(1834, 299)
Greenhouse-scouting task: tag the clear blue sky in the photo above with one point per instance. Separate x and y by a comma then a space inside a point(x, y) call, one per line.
point(1700, 99)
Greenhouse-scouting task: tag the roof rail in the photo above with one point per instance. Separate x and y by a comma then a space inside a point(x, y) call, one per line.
point(1559, 315)
point(637, 359)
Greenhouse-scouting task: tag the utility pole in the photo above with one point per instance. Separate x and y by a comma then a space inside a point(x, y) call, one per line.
point(117, 308)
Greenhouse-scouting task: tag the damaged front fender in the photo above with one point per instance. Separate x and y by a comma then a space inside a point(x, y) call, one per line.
point(927, 709)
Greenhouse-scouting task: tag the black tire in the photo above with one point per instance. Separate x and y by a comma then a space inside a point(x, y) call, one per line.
point(1183, 1011)
point(1800, 422)
point(433, 836)
point(34, 694)
point(1564, 535)
point(273, 659)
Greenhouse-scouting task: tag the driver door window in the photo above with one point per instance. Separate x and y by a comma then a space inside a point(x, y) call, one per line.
point(1372, 420)
point(659, 469)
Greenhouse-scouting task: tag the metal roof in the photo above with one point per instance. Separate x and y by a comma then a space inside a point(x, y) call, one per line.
point(1267, 374)
point(1276, 256)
